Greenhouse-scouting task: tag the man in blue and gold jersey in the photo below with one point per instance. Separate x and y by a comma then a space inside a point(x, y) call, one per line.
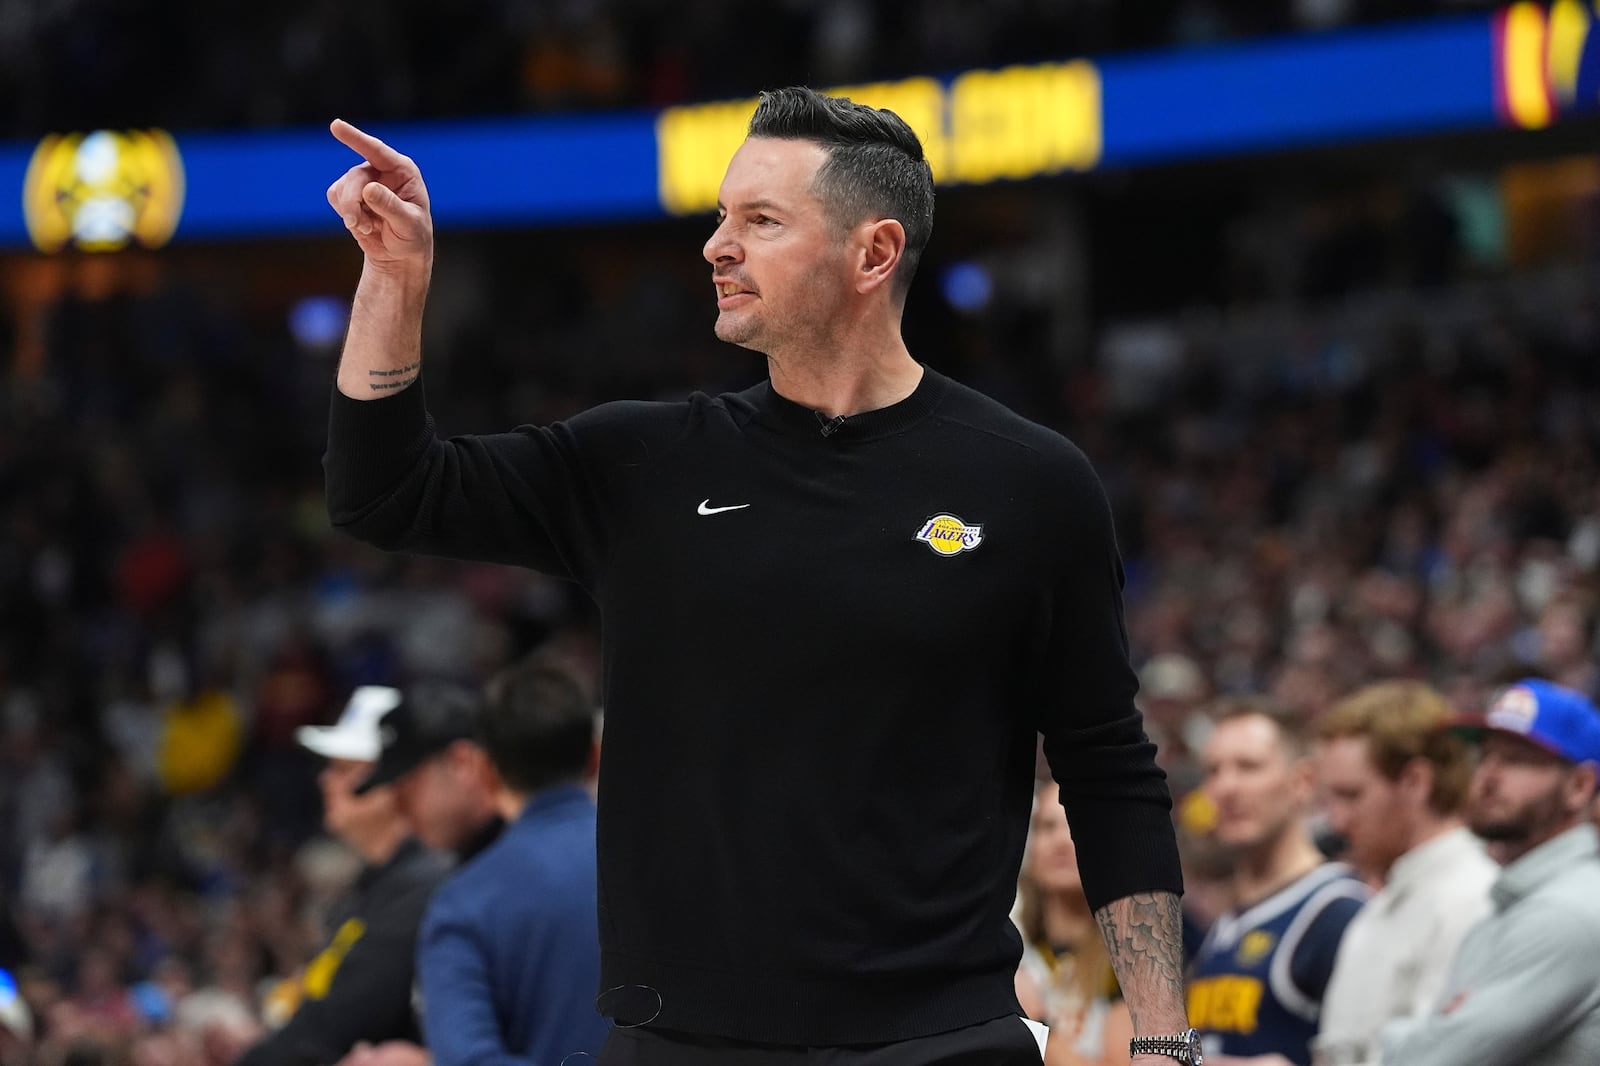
point(1256, 985)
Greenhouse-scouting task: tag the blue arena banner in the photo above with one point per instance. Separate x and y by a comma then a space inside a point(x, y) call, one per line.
point(479, 173)
point(13, 166)
point(1431, 77)
point(1521, 67)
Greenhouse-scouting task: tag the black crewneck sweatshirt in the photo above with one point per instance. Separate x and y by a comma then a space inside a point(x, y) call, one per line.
point(829, 645)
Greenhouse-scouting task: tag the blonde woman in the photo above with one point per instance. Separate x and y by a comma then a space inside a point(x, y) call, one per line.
point(1065, 979)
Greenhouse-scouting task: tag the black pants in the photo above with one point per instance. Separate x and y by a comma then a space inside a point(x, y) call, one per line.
point(1001, 1042)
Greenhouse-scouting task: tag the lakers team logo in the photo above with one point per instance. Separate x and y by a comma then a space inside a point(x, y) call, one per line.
point(101, 191)
point(949, 535)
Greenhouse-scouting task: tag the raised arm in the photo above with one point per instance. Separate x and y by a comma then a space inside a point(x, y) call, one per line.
point(525, 497)
point(384, 205)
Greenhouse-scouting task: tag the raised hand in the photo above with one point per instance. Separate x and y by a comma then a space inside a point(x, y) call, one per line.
point(384, 204)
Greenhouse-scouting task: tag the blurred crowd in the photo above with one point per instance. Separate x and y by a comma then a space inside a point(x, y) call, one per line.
point(1400, 484)
point(93, 64)
point(1314, 489)
point(1395, 488)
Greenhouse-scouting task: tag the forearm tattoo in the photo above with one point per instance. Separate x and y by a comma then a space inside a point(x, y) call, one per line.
point(1144, 935)
point(389, 380)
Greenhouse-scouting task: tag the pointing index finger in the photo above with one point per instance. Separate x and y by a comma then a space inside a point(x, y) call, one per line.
point(366, 145)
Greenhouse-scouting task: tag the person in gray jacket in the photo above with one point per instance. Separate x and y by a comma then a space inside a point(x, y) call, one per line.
point(1525, 985)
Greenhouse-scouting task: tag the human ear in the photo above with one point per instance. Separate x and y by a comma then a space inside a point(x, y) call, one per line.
point(1416, 779)
point(882, 243)
point(1303, 773)
point(1581, 784)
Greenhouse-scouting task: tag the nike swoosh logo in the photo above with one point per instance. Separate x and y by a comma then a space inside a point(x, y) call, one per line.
point(706, 508)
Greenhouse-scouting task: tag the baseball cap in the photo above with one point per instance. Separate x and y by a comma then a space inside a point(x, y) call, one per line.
point(429, 717)
point(355, 734)
point(14, 1013)
point(1559, 720)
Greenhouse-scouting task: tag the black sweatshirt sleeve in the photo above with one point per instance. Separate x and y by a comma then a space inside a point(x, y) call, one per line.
point(539, 497)
point(1115, 795)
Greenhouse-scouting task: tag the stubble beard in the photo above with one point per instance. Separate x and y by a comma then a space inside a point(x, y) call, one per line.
point(1504, 831)
point(775, 335)
point(742, 332)
point(1520, 826)
point(1261, 842)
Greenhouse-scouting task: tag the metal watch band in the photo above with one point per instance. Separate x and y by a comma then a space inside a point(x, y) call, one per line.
point(1182, 1047)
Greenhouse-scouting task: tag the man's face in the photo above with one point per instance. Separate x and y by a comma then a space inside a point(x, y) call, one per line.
point(344, 814)
point(1521, 794)
point(441, 799)
point(1362, 805)
point(780, 267)
point(1258, 790)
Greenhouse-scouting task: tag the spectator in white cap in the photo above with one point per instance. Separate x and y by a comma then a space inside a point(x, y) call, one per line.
point(1525, 985)
point(359, 987)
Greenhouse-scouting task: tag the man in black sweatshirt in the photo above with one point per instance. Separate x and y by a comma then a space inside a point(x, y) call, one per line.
point(359, 988)
point(838, 608)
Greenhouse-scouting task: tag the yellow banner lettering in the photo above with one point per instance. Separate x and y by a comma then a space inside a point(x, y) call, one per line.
point(1569, 31)
point(693, 146)
point(990, 125)
point(1024, 122)
point(920, 101)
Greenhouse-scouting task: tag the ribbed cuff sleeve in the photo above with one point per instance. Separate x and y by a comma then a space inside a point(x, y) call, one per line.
point(1125, 847)
point(371, 446)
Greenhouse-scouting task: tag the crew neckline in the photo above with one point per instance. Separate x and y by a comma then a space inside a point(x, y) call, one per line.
point(796, 419)
point(1421, 862)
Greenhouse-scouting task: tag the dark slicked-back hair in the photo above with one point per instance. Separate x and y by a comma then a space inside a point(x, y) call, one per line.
point(537, 725)
point(875, 168)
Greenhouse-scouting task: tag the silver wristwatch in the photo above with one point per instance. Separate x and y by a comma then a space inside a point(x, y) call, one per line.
point(1182, 1047)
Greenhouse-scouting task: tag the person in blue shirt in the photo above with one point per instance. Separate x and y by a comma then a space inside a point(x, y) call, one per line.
point(510, 949)
point(508, 960)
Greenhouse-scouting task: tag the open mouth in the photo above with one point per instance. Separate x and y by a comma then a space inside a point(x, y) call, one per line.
point(731, 292)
